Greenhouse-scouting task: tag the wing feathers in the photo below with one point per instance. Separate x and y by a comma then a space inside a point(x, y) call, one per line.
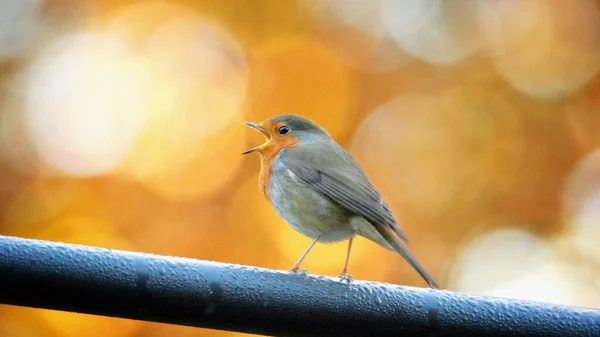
point(350, 188)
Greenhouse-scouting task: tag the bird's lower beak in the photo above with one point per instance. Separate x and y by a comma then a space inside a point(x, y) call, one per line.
point(261, 130)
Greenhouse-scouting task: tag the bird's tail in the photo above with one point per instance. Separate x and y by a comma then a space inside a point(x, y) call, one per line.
point(399, 247)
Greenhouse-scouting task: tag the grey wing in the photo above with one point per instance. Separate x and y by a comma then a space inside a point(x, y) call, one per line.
point(349, 188)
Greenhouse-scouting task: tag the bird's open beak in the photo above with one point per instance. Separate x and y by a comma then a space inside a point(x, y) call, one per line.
point(261, 130)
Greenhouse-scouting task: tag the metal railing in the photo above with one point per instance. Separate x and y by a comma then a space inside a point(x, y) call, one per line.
point(149, 287)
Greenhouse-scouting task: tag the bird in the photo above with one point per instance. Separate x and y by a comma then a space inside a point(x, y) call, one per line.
point(320, 190)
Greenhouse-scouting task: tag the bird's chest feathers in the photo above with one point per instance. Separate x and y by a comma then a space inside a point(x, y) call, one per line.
point(268, 157)
point(291, 196)
point(266, 169)
point(305, 209)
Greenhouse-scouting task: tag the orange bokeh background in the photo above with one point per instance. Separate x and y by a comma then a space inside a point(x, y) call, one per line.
point(478, 121)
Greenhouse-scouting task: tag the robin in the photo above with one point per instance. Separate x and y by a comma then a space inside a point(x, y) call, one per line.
point(320, 190)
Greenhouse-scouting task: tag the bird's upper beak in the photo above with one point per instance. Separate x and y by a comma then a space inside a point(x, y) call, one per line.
point(261, 130)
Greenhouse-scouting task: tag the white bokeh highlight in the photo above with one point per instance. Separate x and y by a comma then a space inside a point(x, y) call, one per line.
point(581, 206)
point(83, 103)
point(547, 49)
point(439, 32)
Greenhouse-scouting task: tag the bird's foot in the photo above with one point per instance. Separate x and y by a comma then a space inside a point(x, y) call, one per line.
point(345, 277)
point(299, 271)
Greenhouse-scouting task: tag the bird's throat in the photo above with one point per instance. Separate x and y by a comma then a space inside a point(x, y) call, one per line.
point(266, 167)
point(267, 156)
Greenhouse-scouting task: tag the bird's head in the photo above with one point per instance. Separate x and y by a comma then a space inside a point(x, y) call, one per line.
point(286, 131)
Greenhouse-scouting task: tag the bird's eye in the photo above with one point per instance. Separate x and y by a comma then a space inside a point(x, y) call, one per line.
point(282, 130)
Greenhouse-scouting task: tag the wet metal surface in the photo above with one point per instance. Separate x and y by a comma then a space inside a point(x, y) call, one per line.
point(231, 297)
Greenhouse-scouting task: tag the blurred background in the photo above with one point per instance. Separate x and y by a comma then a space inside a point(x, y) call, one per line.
point(478, 120)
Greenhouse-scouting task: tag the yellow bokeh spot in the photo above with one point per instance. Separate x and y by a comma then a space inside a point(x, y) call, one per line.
point(545, 49)
point(192, 137)
point(178, 170)
point(84, 99)
point(410, 152)
point(429, 152)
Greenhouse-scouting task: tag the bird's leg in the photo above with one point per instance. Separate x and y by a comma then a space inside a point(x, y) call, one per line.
point(344, 274)
point(296, 266)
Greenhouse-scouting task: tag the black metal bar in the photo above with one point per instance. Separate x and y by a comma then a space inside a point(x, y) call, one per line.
point(182, 291)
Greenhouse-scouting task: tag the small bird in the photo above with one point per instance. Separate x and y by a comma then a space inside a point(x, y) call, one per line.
point(320, 190)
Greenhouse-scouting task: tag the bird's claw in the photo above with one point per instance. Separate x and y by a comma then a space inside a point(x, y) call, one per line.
point(346, 278)
point(299, 271)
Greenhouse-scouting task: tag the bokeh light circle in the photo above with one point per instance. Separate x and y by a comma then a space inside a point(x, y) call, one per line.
point(421, 150)
point(497, 257)
point(84, 99)
point(581, 206)
point(192, 137)
point(355, 32)
point(547, 49)
point(436, 31)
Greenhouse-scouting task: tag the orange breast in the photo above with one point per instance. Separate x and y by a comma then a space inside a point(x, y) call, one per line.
point(267, 156)
point(265, 176)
